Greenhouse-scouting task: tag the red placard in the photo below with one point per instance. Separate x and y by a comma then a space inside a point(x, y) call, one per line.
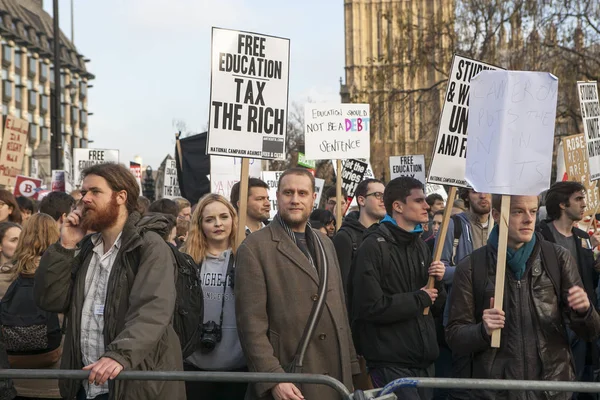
point(27, 187)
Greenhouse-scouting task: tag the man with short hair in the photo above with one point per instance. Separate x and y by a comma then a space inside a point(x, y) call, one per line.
point(26, 206)
point(117, 289)
point(289, 260)
point(57, 205)
point(331, 200)
point(436, 203)
point(565, 205)
point(258, 206)
point(542, 289)
point(388, 292)
point(369, 196)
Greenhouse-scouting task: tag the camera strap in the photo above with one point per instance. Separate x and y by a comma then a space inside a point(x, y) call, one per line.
point(228, 274)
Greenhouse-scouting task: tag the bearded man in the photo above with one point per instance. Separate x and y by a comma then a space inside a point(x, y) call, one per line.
point(112, 289)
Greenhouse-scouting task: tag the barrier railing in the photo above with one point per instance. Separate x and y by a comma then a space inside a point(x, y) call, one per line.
point(255, 377)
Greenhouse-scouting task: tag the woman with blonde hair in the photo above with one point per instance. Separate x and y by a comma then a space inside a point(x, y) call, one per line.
point(211, 243)
point(32, 336)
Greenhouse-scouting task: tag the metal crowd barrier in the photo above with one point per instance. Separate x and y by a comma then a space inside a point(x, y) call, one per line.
point(255, 377)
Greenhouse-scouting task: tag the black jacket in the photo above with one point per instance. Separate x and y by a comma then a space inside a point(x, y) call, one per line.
point(347, 241)
point(585, 260)
point(534, 343)
point(387, 301)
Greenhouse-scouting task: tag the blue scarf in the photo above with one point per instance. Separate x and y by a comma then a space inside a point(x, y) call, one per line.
point(516, 259)
point(418, 228)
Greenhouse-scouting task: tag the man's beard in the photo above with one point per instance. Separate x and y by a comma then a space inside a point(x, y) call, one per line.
point(294, 221)
point(99, 219)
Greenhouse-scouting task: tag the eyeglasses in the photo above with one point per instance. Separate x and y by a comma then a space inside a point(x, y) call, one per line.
point(377, 195)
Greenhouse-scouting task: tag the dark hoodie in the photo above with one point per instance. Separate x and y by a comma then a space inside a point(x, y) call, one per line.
point(347, 241)
point(388, 303)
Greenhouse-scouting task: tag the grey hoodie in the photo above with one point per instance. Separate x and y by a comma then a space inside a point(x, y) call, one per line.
point(228, 354)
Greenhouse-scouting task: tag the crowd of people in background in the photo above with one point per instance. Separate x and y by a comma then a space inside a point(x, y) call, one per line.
point(104, 280)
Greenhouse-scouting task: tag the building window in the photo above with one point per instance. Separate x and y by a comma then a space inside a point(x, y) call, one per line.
point(62, 111)
point(45, 134)
point(75, 142)
point(33, 133)
point(74, 115)
point(83, 90)
point(7, 90)
point(51, 75)
point(44, 103)
point(32, 66)
point(6, 55)
point(4, 74)
point(18, 90)
point(83, 117)
point(32, 99)
point(84, 143)
point(43, 72)
point(18, 61)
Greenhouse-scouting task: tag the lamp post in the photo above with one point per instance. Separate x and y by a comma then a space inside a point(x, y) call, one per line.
point(56, 136)
point(148, 186)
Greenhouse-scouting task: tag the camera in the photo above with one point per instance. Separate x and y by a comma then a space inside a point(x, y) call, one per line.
point(211, 335)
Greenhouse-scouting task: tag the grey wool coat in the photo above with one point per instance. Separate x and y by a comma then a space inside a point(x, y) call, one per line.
point(276, 286)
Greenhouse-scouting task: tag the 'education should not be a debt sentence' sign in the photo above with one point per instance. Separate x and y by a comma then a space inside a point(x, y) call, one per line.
point(249, 94)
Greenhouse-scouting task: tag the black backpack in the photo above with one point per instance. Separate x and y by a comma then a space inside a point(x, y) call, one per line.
point(189, 304)
point(26, 329)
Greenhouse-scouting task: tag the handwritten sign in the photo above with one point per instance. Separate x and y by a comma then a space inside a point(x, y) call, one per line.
point(511, 132)
point(337, 131)
point(171, 184)
point(576, 169)
point(411, 166)
point(590, 112)
point(12, 154)
point(450, 151)
point(249, 94)
point(83, 158)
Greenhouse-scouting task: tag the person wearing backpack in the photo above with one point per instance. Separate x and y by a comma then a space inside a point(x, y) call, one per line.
point(212, 245)
point(119, 298)
point(32, 336)
point(542, 292)
point(388, 292)
point(566, 205)
point(347, 240)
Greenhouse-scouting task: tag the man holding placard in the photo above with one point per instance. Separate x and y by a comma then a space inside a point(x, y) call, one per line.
point(388, 292)
point(543, 284)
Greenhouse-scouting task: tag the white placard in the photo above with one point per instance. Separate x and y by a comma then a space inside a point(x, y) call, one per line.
point(171, 184)
point(271, 178)
point(511, 132)
point(319, 185)
point(432, 188)
point(233, 166)
point(450, 151)
point(590, 112)
point(34, 172)
point(68, 168)
point(411, 166)
point(83, 158)
point(249, 94)
point(337, 131)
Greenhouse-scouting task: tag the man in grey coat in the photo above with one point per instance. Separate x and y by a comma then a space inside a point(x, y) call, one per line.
point(116, 294)
point(278, 279)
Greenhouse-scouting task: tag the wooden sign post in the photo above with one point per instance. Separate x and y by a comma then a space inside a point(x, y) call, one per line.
point(242, 209)
point(439, 243)
point(338, 196)
point(501, 264)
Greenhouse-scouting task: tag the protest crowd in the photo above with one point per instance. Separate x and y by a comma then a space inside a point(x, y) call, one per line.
point(482, 270)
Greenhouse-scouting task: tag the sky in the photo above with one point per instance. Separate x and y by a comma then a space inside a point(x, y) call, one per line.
point(151, 59)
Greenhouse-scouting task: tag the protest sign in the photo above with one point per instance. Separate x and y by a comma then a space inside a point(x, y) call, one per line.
point(303, 162)
point(271, 178)
point(171, 188)
point(561, 168)
point(12, 154)
point(83, 158)
point(590, 113)
point(576, 165)
point(136, 170)
point(68, 167)
point(319, 185)
point(449, 154)
point(411, 166)
point(337, 131)
point(59, 183)
point(27, 187)
point(353, 172)
point(248, 94)
point(34, 171)
point(226, 171)
point(511, 132)
point(511, 135)
point(436, 189)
